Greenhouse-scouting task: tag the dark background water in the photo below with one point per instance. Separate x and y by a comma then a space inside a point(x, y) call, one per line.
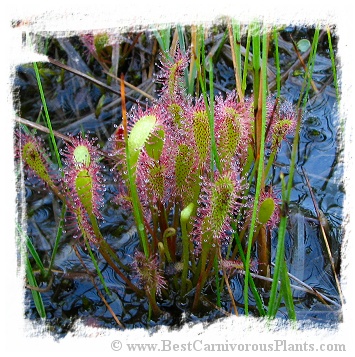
point(73, 101)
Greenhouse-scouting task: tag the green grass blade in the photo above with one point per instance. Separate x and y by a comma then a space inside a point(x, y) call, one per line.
point(287, 292)
point(280, 253)
point(256, 62)
point(235, 42)
point(260, 167)
point(274, 302)
point(58, 236)
point(49, 124)
point(202, 59)
point(259, 302)
point(37, 298)
point(195, 57)
point(163, 38)
point(246, 61)
point(181, 37)
point(280, 250)
point(32, 250)
point(286, 191)
point(97, 267)
point(334, 69)
point(310, 66)
point(277, 62)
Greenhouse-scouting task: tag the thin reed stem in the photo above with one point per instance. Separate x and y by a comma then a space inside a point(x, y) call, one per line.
point(234, 40)
point(48, 121)
point(260, 162)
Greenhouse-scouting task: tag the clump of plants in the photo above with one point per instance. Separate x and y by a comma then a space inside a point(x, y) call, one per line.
point(194, 170)
point(191, 171)
point(188, 175)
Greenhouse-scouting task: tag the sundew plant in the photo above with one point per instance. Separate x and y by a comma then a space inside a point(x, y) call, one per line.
point(194, 170)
